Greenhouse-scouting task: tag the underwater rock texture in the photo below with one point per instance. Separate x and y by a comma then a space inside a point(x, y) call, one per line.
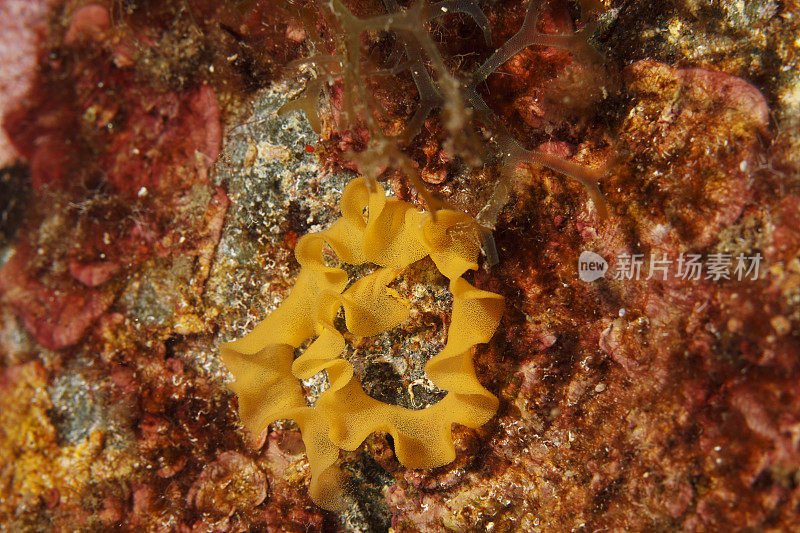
point(151, 197)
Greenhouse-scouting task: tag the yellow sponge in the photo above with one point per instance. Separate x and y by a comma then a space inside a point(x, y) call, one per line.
point(391, 234)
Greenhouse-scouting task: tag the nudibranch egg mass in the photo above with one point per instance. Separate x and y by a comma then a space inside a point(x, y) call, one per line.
point(391, 234)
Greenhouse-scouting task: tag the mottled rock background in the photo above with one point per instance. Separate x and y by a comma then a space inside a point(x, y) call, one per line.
point(151, 198)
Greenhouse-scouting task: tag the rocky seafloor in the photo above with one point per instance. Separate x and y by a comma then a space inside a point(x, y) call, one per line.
point(151, 197)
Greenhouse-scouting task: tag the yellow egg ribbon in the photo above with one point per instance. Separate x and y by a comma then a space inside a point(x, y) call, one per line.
point(391, 234)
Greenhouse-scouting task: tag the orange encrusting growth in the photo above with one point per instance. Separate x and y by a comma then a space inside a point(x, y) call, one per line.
point(392, 235)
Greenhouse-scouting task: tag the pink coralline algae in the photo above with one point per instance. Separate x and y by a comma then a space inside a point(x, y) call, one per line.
point(23, 28)
point(168, 131)
point(93, 274)
point(56, 318)
point(90, 22)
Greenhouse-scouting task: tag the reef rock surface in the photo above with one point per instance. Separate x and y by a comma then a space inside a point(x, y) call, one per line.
point(152, 193)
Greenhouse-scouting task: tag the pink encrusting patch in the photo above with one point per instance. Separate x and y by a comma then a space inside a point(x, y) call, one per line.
point(56, 318)
point(90, 22)
point(204, 108)
point(93, 274)
point(173, 131)
point(21, 30)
